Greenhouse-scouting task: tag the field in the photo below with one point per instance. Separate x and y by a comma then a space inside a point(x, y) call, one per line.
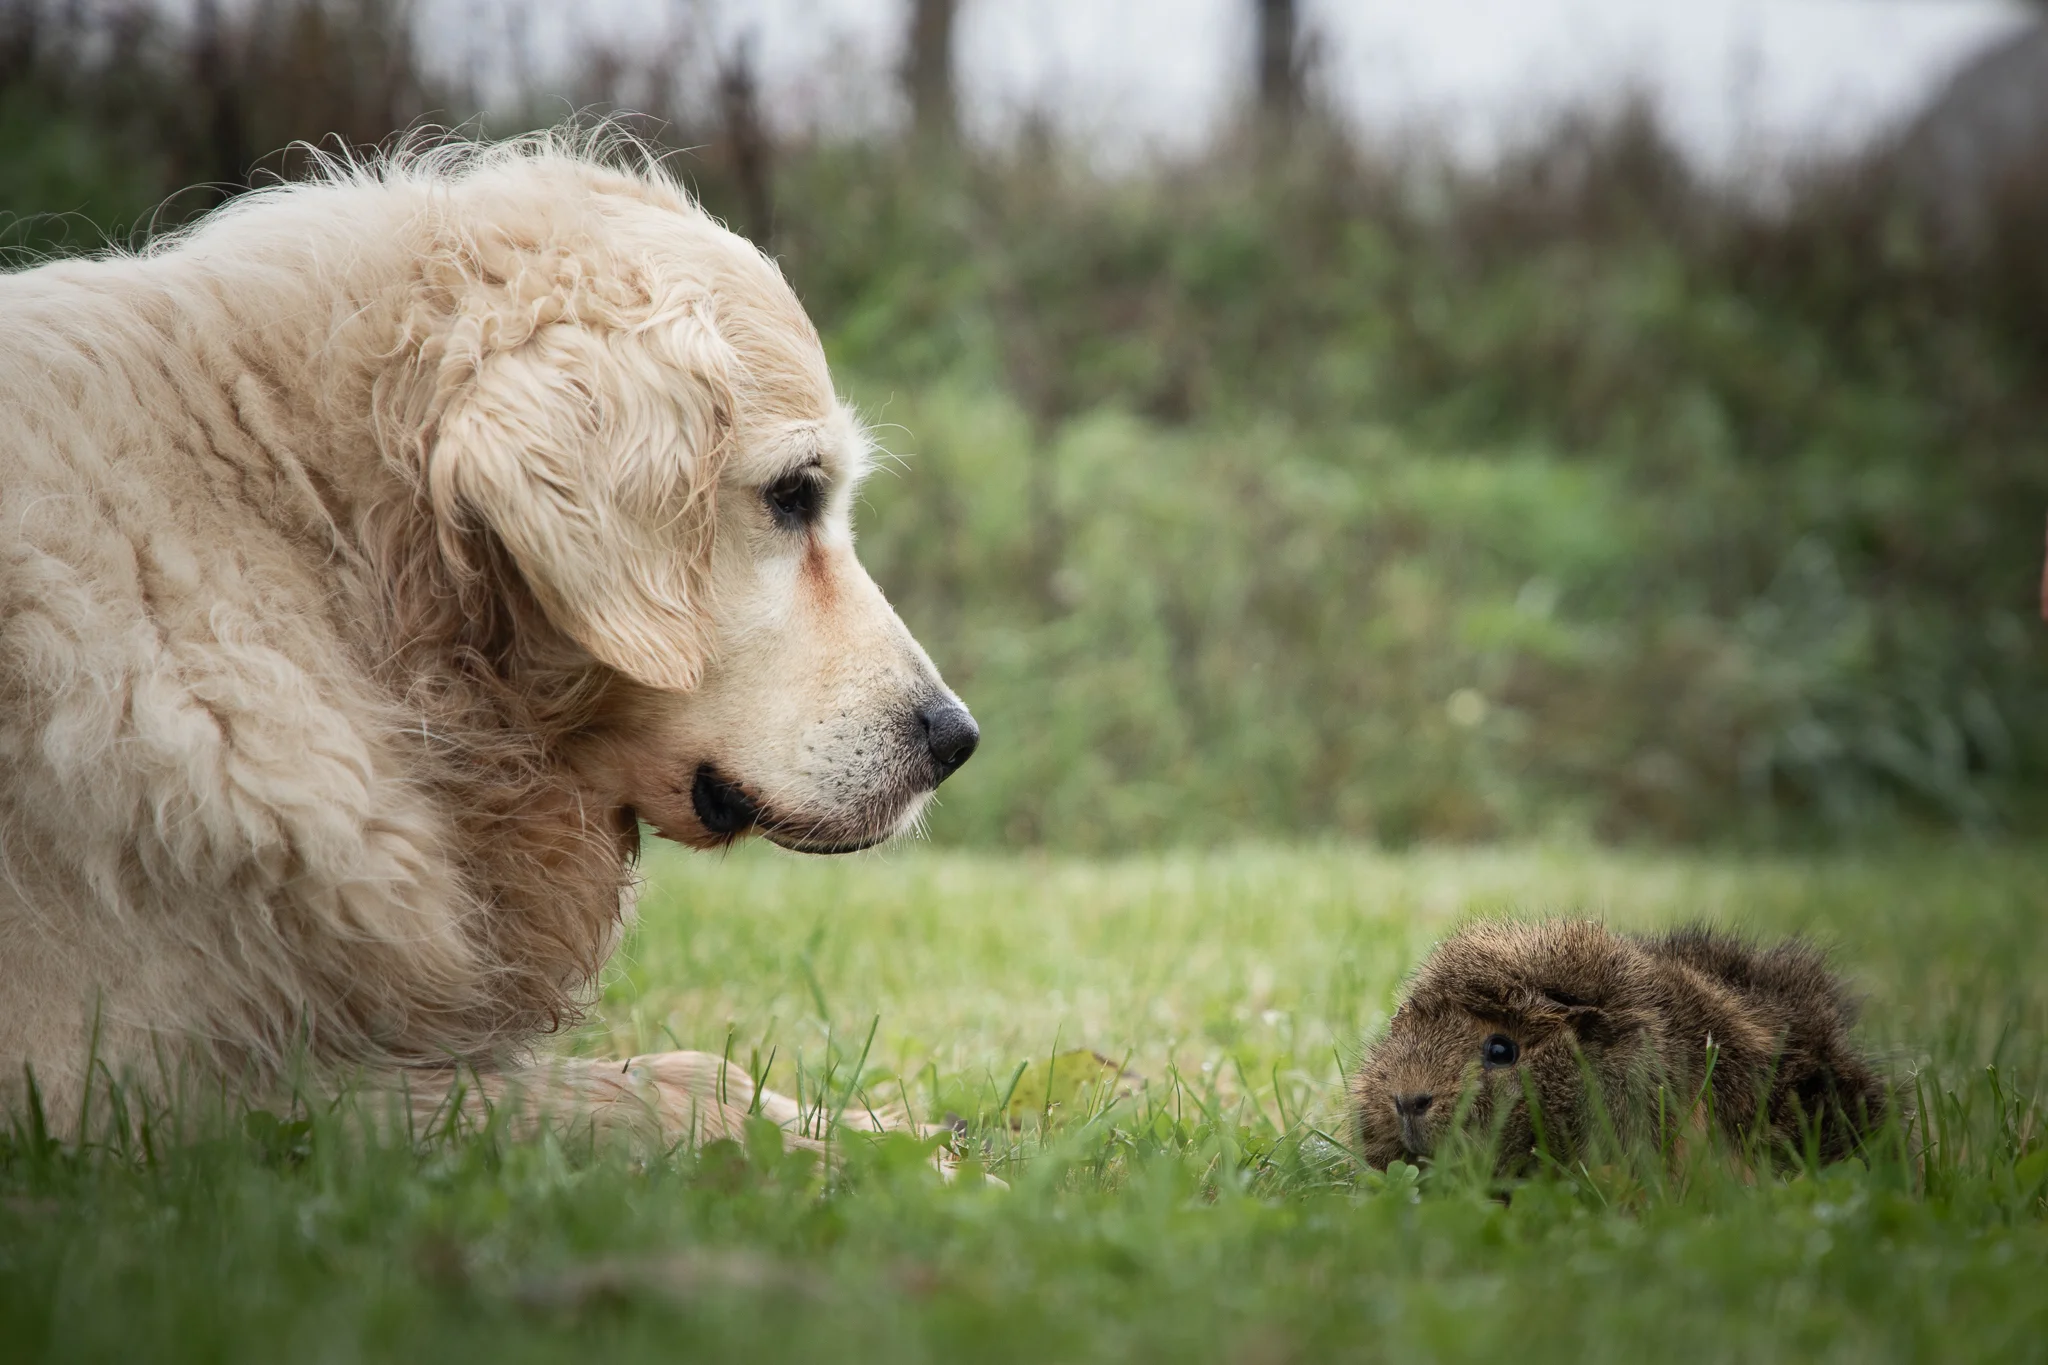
point(1319, 491)
point(1208, 1213)
point(1333, 542)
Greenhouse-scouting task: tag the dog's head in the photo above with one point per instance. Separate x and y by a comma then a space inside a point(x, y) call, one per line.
point(633, 404)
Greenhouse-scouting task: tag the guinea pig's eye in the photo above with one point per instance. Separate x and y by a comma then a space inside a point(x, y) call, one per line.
point(1499, 1050)
point(795, 499)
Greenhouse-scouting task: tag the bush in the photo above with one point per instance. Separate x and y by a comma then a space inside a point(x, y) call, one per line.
point(1321, 486)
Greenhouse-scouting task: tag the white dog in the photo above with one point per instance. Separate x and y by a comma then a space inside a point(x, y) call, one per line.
point(374, 558)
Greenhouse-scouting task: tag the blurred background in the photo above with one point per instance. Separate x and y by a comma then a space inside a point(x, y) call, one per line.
point(1571, 419)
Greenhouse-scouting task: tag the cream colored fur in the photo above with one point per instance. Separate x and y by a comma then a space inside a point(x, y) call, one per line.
point(373, 556)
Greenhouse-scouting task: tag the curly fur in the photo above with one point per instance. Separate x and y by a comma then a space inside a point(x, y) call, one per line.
point(1616, 1032)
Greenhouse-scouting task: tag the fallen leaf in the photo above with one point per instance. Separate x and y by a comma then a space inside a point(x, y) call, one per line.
point(1069, 1083)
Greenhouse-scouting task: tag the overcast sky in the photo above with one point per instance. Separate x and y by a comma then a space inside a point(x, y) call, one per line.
point(1738, 79)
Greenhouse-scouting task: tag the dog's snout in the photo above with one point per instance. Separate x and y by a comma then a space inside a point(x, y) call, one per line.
point(1413, 1105)
point(949, 733)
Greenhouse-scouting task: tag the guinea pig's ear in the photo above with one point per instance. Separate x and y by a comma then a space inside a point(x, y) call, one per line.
point(598, 479)
point(1558, 1001)
point(1589, 1020)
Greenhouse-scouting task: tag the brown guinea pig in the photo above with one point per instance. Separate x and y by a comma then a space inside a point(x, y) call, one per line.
point(1503, 1010)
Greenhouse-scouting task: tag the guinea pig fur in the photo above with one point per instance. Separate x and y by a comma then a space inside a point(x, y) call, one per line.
point(1505, 1010)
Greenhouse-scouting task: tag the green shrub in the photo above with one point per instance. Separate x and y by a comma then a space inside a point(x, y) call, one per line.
point(1329, 488)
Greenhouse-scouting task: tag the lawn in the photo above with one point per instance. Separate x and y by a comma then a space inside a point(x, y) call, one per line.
point(1204, 1214)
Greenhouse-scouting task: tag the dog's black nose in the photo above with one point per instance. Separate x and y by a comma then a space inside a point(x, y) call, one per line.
point(950, 735)
point(1412, 1106)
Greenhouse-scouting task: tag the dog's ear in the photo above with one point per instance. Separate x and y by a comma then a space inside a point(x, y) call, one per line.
point(593, 456)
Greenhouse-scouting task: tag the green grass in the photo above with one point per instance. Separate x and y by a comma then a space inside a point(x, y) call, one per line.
point(1201, 1218)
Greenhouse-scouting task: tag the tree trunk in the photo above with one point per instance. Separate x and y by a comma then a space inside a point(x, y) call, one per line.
point(1280, 65)
point(747, 150)
point(928, 68)
point(223, 153)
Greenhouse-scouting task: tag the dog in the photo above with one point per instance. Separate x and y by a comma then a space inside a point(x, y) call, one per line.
point(376, 556)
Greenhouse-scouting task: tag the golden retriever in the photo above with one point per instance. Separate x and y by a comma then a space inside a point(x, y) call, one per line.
point(374, 558)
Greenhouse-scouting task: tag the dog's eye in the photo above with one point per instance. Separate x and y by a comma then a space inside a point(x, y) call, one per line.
point(795, 499)
point(1499, 1050)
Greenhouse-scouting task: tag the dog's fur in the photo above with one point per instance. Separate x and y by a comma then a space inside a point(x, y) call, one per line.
point(1616, 1033)
point(373, 558)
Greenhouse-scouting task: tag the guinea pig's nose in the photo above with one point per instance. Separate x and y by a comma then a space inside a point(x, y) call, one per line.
point(1413, 1105)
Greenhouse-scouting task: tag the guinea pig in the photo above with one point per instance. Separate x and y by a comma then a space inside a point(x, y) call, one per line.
point(1503, 1011)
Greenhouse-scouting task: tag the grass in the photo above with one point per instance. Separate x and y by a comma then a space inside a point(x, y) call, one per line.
point(1204, 1216)
point(1335, 494)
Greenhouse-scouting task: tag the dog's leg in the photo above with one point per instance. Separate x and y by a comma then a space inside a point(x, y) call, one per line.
point(669, 1098)
point(683, 1080)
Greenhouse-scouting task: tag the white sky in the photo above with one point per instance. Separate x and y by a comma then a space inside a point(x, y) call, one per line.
point(1739, 80)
